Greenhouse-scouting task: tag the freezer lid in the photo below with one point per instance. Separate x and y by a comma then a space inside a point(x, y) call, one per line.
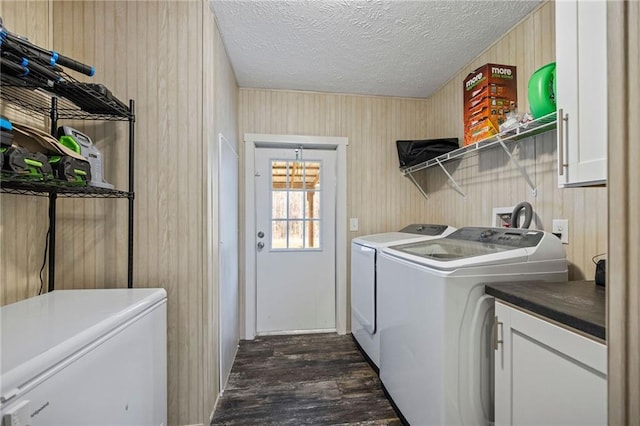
point(43, 330)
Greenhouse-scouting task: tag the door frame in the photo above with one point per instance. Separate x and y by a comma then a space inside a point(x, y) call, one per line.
point(253, 141)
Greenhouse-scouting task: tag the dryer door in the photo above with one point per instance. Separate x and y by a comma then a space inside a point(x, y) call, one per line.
point(363, 292)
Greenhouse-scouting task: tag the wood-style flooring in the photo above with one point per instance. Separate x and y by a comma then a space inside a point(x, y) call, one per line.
point(314, 379)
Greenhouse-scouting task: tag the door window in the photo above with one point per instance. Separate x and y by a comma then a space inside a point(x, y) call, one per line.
point(295, 205)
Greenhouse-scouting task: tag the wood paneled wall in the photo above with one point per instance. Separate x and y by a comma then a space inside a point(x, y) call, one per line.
point(377, 194)
point(383, 200)
point(168, 56)
point(23, 220)
point(623, 268)
point(490, 180)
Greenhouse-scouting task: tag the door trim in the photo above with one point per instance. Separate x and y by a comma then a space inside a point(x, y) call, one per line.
point(253, 140)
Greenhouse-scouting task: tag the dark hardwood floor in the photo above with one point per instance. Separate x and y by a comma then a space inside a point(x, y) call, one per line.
point(314, 379)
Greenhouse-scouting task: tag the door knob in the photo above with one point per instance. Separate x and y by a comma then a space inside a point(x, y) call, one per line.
point(260, 245)
point(260, 234)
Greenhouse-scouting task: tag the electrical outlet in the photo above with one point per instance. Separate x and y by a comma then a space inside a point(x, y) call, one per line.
point(353, 224)
point(560, 228)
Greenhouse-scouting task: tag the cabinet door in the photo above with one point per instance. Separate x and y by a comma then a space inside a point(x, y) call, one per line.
point(547, 375)
point(581, 84)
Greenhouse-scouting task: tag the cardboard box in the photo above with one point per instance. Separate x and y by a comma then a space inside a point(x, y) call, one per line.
point(490, 93)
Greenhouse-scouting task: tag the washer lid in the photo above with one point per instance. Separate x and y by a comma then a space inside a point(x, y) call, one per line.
point(447, 250)
point(469, 247)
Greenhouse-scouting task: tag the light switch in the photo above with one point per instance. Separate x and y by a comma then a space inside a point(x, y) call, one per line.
point(353, 224)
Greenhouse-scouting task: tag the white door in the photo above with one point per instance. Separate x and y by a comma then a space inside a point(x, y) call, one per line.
point(227, 255)
point(295, 196)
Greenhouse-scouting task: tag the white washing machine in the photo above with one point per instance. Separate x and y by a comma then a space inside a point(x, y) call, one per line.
point(435, 322)
point(364, 253)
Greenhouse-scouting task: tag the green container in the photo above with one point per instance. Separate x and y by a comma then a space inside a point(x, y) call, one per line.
point(541, 91)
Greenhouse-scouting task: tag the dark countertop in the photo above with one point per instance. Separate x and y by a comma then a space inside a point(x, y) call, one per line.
point(577, 304)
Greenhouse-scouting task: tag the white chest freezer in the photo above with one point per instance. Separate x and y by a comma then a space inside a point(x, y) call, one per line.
point(85, 357)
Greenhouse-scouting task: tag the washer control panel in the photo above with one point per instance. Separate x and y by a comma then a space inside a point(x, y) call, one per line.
point(424, 229)
point(516, 238)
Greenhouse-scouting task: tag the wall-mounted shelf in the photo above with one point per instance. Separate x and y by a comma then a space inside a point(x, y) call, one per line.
point(503, 139)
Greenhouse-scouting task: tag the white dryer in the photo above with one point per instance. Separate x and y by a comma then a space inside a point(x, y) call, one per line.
point(435, 322)
point(364, 253)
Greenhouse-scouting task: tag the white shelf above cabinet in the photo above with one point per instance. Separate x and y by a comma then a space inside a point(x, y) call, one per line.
point(503, 139)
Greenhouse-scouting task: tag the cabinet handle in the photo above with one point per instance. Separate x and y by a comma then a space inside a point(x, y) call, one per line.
point(561, 120)
point(496, 338)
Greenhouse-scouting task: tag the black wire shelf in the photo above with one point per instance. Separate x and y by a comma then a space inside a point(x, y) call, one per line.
point(55, 95)
point(43, 189)
point(76, 100)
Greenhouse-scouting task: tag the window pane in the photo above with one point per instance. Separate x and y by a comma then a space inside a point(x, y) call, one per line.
point(312, 232)
point(312, 199)
point(278, 174)
point(279, 234)
point(296, 175)
point(278, 204)
point(296, 205)
point(296, 232)
point(313, 175)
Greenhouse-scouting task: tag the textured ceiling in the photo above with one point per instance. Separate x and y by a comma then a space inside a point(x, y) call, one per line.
point(383, 47)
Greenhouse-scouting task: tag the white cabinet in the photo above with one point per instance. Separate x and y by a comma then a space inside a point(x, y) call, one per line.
point(581, 92)
point(546, 374)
